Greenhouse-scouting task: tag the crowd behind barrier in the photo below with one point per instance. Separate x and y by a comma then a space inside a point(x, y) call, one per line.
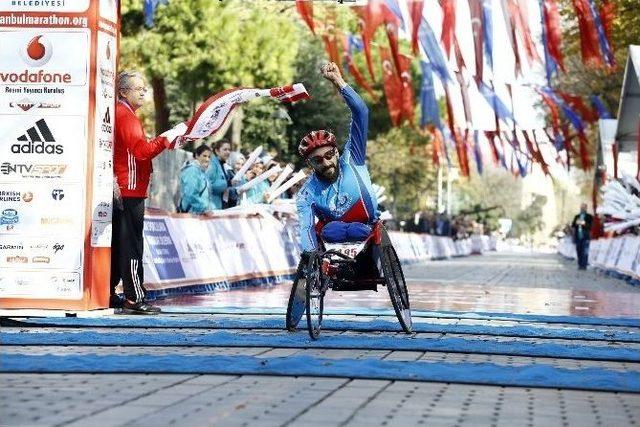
point(618, 256)
point(257, 245)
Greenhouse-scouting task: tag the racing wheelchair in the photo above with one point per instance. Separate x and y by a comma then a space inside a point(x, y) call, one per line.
point(353, 266)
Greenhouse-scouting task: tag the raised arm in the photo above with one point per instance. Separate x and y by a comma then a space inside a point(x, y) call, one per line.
point(357, 141)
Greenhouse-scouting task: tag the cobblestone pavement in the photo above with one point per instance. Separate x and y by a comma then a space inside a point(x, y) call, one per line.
point(568, 356)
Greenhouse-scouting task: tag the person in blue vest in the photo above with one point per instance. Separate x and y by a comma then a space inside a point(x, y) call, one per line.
point(218, 185)
point(194, 185)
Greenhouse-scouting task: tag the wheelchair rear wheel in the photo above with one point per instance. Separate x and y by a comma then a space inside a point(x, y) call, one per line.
point(314, 296)
point(396, 285)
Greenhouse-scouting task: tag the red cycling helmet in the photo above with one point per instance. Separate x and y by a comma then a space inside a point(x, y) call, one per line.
point(316, 139)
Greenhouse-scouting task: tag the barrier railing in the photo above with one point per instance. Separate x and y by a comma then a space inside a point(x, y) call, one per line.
point(618, 256)
point(186, 254)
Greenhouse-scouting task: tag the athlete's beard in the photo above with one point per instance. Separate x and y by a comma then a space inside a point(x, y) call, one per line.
point(329, 173)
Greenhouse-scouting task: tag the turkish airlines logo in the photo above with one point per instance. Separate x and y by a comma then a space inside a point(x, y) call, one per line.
point(37, 51)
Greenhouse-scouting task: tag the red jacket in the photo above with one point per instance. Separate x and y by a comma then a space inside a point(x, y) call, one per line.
point(132, 152)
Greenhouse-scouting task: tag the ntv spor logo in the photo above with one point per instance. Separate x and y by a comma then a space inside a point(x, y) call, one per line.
point(36, 52)
point(38, 139)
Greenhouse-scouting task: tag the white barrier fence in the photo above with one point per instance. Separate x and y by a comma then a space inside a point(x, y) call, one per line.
point(187, 254)
point(618, 254)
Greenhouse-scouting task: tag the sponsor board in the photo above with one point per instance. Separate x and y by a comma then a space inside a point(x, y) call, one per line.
point(49, 209)
point(44, 71)
point(101, 234)
point(52, 60)
point(42, 147)
point(109, 10)
point(40, 252)
point(49, 284)
point(44, 5)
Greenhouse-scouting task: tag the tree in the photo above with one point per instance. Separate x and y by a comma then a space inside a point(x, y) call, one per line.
point(585, 80)
point(529, 220)
point(199, 47)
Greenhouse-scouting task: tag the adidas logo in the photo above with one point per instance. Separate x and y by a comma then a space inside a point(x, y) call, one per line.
point(37, 140)
point(106, 122)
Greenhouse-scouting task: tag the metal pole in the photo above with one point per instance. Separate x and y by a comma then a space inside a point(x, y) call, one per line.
point(439, 206)
point(449, 179)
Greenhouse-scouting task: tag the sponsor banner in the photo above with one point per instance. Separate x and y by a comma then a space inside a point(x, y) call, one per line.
point(161, 249)
point(196, 249)
point(42, 148)
point(103, 140)
point(44, 5)
point(628, 254)
point(40, 284)
point(109, 10)
point(40, 253)
point(101, 234)
point(41, 210)
point(44, 72)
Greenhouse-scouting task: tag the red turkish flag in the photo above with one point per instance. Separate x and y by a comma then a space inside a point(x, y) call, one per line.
point(305, 9)
point(554, 32)
point(392, 87)
point(415, 11)
point(407, 89)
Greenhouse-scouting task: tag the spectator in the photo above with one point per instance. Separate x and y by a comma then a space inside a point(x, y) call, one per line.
point(194, 185)
point(582, 235)
point(256, 194)
point(218, 186)
point(132, 154)
point(234, 164)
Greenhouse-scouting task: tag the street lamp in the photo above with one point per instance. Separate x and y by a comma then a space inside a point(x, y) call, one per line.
point(452, 175)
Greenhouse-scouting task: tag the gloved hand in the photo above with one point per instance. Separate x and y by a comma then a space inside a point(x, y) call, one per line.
point(175, 137)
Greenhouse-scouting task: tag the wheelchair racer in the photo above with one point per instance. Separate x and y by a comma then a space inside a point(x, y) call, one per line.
point(339, 192)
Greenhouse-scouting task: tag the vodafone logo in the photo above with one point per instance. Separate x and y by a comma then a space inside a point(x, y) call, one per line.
point(37, 51)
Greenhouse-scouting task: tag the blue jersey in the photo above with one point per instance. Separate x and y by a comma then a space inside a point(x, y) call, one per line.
point(350, 198)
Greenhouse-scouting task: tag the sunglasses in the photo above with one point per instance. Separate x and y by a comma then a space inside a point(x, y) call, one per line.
point(317, 160)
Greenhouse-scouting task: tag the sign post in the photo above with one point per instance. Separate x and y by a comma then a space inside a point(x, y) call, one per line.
point(57, 100)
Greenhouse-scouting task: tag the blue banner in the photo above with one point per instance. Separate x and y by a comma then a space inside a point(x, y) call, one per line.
point(163, 250)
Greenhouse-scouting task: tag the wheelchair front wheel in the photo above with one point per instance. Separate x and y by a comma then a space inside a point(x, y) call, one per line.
point(314, 296)
point(297, 298)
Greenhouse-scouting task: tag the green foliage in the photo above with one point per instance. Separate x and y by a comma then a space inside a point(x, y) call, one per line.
point(495, 188)
point(400, 161)
point(585, 80)
point(200, 47)
point(529, 220)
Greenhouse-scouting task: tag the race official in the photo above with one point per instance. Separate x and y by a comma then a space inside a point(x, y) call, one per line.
point(132, 169)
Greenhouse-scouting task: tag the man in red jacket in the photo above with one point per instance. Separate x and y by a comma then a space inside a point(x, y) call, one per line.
point(132, 169)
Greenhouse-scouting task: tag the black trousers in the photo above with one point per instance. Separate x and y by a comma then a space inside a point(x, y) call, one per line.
point(126, 248)
point(582, 250)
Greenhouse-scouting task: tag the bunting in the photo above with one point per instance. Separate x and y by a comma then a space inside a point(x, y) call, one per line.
point(305, 9)
point(603, 112)
point(433, 52)
point(429, 105)
point(448, 24)
point(499, 107)
point(487, 28)
point(392, 87)
point(477, 24)
point(415, 12)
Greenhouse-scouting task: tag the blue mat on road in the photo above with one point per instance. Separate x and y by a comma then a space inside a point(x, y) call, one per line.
point(363, 311)
point(466, 373)
point(329, 324)
point(301, 340)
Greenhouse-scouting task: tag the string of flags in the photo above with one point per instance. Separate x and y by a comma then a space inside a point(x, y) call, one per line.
point(438, 50)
